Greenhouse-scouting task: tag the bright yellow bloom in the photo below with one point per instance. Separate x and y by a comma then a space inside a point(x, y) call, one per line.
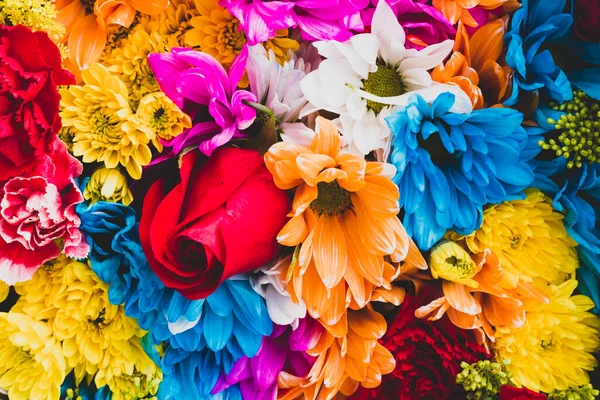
point(38, 15)
point(343, 363)
point(31, 362)
point(173, 23)
point(529, 238)
point(344, 223)
point(108, 184)
point(216, 32)
point(130, 63)
point(452, 263)
point(106, 129)
point(157, 113)
point(553, 350)
point(4, 290)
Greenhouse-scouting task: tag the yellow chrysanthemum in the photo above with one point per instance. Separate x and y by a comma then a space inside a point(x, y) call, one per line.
point(173, 23)
point(529, 238)
point(31, 362)
point(106, 129)
point(108, 184)
point(216, 32)
point(38, 15)
point(553, 350)
point(157, 113)
point(130, 63)
point(4, 290)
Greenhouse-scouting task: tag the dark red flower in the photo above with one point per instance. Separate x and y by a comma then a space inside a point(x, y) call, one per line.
point(30, 70)
point(221, 220)
point(587, 20)
point(513, 393)
point(428, 355)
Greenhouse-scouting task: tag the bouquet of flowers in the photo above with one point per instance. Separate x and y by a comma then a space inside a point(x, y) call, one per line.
point(299, 199)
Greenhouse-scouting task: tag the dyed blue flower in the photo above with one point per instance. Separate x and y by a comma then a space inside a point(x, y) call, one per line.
point(203, 338)
point(533, 26)
point(450, 165)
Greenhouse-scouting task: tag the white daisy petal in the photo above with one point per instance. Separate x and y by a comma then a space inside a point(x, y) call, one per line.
point(366, 45)
point(427, 58)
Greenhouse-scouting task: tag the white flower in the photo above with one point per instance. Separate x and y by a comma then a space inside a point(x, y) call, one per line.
point(269, 284)
point(369, 76)
point(278, 87)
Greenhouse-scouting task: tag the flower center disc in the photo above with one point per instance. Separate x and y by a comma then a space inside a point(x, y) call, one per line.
point(385, 82)
point(331, 199)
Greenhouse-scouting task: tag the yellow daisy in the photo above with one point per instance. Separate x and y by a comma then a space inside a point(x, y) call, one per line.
point(216, 32)
point(108, 184)
point(106, 129)
point(173, 23)
point(4, 290)
point(529, 238)
point(553, 350)
point(32, 365)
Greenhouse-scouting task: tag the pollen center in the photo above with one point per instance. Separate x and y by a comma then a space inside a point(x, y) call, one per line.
point(331, 199)
point(385, 82)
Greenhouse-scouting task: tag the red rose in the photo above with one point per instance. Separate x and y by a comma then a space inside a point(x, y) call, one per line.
point(221, 220)
point(30, 70)
point(587, 20)
point(428, 355)
point(513, 393)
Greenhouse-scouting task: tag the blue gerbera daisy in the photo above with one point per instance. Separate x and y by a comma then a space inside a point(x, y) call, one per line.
point(450, 165)
point(202, 338)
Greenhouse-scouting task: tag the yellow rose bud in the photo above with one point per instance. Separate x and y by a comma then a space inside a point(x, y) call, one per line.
point(451, 262)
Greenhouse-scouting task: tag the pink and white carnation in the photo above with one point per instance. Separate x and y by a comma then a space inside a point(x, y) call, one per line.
point(37, 212)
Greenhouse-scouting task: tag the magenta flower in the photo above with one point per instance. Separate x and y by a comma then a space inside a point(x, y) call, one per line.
point(317, 19)
point(284, 350)
point(201, 88)
point(423, 24)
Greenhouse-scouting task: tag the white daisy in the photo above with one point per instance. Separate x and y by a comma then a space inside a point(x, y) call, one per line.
point(368, 77)
point(278, 87)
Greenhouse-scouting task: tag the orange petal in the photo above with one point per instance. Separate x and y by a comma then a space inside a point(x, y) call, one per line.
point(331, 174)
point(505, 311)
point(363, 262)
point(280, 160)
point(381, 202)
point(451, 10)
point(338, 329)
point(350, 385)
point(286, 380)
point(151, 7)
point(69, 13)
point(459, 297)
point(462, 42)
point(427, 309)
point(294, 232)
point(360, 348)
point(383, 359)
point(310, 165)
point(334, 368)
point(367, 323)
point(86, 42)
point(303, 196)
point(327, 139)
point(354, 166)
point(394, 296)
point(329, 250)
point(314, 293)
point(377, 235)
point(336, 308)
point(356, 282)
point(487, 43)
point(325, 342)
point(462, 320)
point(373, 377)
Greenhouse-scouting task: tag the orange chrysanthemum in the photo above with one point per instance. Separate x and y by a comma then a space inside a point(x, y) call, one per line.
point(474, 65)
point(87, 23)
point(458, 10)
point(344, 225)
point(483, 304)
point(344, 363)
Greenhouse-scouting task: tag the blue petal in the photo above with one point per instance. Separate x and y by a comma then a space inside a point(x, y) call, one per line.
point(216, 329)
point(587, 80)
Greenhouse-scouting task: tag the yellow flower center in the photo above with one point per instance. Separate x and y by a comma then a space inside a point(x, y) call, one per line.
point(385, 82)
point(230, 38)
point(451, 262)
point(104, 125)
point(331, 199)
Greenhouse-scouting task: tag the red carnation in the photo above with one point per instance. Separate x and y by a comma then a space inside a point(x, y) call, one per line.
point(513, 393)
point(30, 70)
point(428, 355)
